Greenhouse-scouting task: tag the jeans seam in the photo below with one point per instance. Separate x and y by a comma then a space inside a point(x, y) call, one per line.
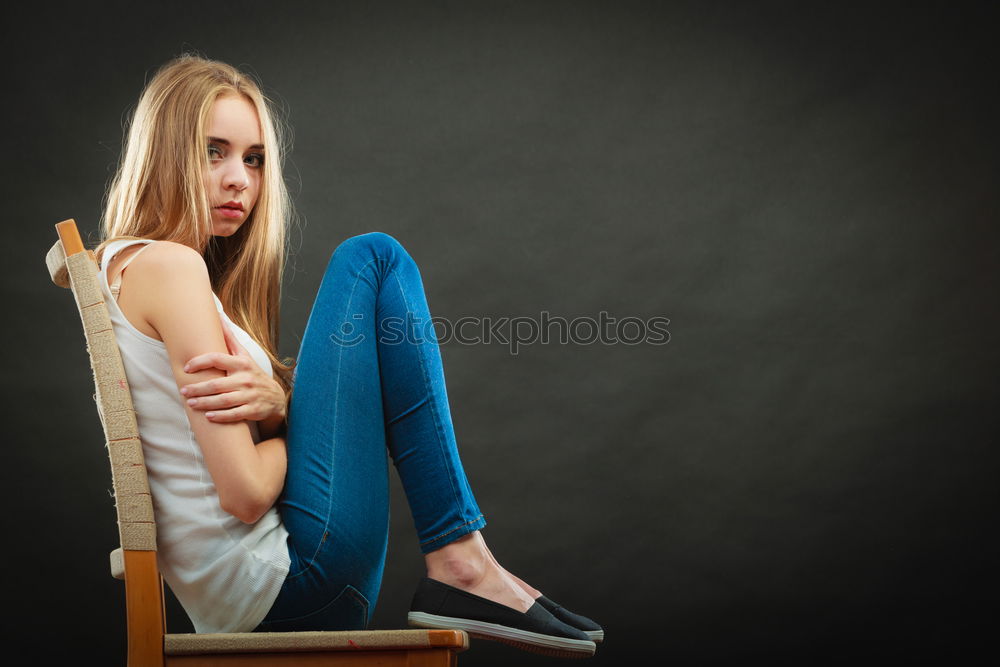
point(431, 401)
point(357, 595)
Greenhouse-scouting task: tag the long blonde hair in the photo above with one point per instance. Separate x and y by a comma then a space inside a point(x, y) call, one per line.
point(158, 193)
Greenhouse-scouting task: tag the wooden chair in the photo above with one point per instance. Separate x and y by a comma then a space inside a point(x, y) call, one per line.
point(71, 265)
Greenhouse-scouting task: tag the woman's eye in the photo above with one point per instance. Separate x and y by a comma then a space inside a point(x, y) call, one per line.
point(255, 160)
point(214, 153)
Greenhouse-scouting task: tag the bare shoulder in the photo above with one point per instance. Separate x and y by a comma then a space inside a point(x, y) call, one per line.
point(158, 281)
point(165, 264)
point(161, 255)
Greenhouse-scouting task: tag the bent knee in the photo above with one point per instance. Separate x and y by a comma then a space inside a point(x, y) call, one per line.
point(377, 244)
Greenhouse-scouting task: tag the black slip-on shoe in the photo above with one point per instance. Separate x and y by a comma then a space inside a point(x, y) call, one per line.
point(592, 629)
point(438, 605)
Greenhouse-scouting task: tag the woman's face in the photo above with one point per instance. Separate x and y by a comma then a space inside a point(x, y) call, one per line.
point(235, 162)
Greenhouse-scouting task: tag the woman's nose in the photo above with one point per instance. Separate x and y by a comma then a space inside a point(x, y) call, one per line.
point(236, 177)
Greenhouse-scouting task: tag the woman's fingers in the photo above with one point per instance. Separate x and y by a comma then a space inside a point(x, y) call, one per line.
point(225, 362)
point(220, 386)
point(236, 360)
point(233, 414)
point(234, 345)
point(221, 407)
point(209, 400)
point(230, 406)
point(245, 393)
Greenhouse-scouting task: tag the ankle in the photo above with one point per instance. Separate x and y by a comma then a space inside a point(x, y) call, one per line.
point(458, 572)
point(462, 563)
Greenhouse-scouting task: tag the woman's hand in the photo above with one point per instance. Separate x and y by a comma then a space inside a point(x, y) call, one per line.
point(246, 393)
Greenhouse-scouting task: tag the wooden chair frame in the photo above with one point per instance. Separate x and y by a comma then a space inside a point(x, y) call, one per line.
point(149, 645)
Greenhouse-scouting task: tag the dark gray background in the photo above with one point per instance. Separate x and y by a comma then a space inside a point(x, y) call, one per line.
point(807, 190)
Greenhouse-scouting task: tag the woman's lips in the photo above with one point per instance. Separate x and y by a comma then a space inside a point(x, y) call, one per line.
point(229, 212)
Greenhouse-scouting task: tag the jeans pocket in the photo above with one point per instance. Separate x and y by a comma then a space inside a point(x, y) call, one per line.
point(348, 610)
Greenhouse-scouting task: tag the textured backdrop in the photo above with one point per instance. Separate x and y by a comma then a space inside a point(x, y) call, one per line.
point(806, 190)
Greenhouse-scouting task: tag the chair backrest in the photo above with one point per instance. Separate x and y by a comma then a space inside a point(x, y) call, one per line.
point(71, 265)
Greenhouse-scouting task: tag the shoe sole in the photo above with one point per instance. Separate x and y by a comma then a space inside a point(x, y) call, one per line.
point(595, 635)
point(561, 647)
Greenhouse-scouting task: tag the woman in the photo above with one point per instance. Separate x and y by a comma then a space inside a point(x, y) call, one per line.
point(272, 505)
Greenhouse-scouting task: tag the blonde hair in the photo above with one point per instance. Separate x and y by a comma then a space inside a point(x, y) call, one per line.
point(158, 193)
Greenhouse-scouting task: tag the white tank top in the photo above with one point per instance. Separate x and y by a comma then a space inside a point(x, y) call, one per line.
point(225, 573)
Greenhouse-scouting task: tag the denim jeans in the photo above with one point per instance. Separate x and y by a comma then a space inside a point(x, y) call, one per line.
point(369, 382)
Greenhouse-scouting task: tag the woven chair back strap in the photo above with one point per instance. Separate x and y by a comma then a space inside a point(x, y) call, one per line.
point(133, 501)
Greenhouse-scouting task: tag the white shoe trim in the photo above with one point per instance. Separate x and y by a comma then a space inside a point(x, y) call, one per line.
point(423, 619)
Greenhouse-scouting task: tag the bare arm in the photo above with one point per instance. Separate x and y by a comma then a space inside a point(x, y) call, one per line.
point(248, 478)
point(272, 426)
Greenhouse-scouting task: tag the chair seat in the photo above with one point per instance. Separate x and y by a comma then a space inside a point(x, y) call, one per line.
point(348, 640)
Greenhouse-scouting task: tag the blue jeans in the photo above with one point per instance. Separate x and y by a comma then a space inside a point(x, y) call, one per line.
point(369, 381)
